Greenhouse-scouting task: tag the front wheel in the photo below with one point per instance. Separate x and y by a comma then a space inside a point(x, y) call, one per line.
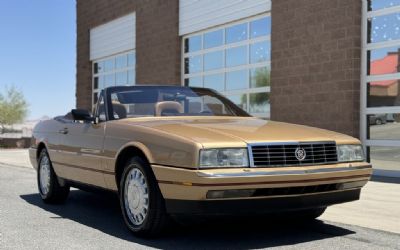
point(141, 201)
point(49, 189)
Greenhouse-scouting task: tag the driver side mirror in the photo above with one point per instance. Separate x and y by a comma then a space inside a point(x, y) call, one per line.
point(82, 115)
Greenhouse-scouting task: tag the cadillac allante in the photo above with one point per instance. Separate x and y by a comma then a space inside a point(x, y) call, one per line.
point(170, 151)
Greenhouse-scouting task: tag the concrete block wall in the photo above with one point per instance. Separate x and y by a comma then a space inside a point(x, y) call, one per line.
point(158, 45)
point(315, 72)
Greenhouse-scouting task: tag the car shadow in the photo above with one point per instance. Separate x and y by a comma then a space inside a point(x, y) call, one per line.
point(102, 212)
point(385, 179)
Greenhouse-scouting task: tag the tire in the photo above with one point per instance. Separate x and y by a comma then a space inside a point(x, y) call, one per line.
point(49, 189)
point(378, 122)
point(142, 204)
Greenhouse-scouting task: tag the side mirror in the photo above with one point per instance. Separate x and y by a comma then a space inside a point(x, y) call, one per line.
point(82, 115)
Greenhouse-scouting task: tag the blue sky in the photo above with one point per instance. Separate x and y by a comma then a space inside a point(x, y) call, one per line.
point(37, 53)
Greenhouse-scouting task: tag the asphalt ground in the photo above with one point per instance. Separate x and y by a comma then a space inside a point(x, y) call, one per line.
point(93, 221)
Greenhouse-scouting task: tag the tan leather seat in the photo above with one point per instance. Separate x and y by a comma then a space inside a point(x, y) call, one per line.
point(168, 106)
point(215, 108)
point(120, 110)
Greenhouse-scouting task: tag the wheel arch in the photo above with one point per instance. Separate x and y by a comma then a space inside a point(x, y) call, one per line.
point(40, 147)
point(126, 152)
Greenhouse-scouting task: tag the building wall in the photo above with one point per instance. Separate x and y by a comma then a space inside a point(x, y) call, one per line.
point(158, 45)
point(315, 75)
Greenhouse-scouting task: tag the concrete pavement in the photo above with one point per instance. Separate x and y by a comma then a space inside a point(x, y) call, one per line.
point(15, 157)
point(378, 208)
point(92, 221)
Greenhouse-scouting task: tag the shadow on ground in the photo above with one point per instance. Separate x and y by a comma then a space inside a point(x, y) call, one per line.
point(385, 179)
point(102, 212)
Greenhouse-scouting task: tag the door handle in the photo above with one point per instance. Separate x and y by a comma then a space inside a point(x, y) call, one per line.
point(63, 131)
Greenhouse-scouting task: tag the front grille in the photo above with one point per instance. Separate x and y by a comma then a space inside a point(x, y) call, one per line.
point(271, 155)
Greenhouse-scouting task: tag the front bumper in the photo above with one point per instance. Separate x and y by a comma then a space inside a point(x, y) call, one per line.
point(259, 206)
point(187, 184)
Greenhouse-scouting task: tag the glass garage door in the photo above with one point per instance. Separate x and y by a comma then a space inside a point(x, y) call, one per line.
point(380, 100)
point(233, 59)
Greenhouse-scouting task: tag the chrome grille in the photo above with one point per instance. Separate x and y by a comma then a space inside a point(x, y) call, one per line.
point(271, 155)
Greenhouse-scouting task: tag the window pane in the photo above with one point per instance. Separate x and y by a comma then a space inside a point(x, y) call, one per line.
point(385, 28)
point(260, 77)
point(384, 126)
point(194, 81)
point(236, 33)
point(384, 61)
point(237, 80)
point(382, 4)
point(121, 62)
point(383, 93)
point(213, 60)
point(259, 102)
point(109, 65)
point(122, 78)
point(131, 59)
point(213, 39)
point(131, 77)
point(109, 80)
point(215, 81)
point(96, 83)
point(192, 43)
point(236, 56)
point(260, 27)
point(193, 64)
point(386, 158)
point(260, 52)
point(98, 67)
point(239, 100)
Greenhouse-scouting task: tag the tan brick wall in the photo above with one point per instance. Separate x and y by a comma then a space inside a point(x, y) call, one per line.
point(157, 40)
point(315, 76)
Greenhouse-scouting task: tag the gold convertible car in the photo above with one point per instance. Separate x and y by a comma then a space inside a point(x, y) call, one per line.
point(170, 151)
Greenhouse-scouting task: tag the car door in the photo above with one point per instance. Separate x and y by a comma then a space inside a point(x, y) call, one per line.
point(82, 149)
point(53, 138)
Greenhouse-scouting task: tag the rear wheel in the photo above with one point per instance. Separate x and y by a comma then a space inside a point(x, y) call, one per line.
point(49, 189)
point(142, 204)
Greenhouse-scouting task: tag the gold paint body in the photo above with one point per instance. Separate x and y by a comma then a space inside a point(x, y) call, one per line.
point(88, 152)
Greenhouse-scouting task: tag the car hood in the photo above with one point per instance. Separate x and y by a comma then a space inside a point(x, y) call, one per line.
point(237, 131)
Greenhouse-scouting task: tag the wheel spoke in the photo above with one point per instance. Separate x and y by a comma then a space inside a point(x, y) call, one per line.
point(44, 175)
point(136, 196)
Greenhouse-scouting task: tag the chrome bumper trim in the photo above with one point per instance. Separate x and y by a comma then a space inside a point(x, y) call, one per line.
point(288, 172)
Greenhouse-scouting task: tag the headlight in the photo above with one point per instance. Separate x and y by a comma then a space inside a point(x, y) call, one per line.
point(347, 153)
point(224, 157)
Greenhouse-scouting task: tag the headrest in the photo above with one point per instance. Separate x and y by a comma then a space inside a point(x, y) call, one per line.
point(170, 106)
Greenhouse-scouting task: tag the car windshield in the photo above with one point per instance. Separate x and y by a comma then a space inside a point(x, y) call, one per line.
point(142, 101)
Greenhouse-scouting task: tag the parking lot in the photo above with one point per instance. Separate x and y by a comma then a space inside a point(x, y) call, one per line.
point(93, 221)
